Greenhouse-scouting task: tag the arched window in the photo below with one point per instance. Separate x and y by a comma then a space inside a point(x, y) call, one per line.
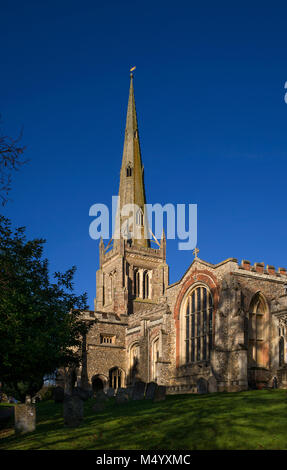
point(129, 170)
point(136, 283)
point(134, 358)
point(111, 286)
point(281, 351)
point(139, 217)
point(134, 354)
point(116, 378)
point(146, 285)
point(257, 332)
point(104, 288)
point(196, 328)
point(154, 359)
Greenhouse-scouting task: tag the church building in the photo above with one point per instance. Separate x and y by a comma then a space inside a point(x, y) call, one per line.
point(221, 327)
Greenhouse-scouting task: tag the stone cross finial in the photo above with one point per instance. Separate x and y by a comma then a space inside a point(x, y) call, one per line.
point(195, 252)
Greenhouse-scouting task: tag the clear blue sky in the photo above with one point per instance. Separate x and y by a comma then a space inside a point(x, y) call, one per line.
point(209, 90)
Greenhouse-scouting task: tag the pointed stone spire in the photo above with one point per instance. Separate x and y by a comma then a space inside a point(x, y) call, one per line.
point(132, 190)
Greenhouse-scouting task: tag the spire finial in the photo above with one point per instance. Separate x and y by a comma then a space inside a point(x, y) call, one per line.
point(195, 252)
point(131, 71)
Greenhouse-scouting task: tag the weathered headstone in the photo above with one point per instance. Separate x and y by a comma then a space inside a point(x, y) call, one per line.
point(212, 384)
point(81, 393)
point(138, 391)
point(25, 418)
point(98, 407)
point(150, 390)
point(159, 394)
point(58, 394)
point(122, 396)
point(73, 410)
point(110, 392)
point(130, 391)
point(6, 414)
point(100, 396)
point(100, 401)
point(201, 385)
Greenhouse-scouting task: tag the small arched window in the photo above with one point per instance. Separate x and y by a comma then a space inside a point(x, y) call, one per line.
point(129, 170)
point(196, 328)
point(136, 283)
point(146, 285)
point(154, 359)
point(134, 358)
point(139, 217)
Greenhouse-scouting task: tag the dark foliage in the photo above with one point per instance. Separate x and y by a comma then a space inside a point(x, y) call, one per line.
point(11, 159)
point(40, 324)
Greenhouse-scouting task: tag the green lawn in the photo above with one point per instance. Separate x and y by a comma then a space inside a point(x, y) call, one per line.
point(245, 420)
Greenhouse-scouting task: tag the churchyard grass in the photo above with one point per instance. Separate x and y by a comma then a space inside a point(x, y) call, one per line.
point(245, 420)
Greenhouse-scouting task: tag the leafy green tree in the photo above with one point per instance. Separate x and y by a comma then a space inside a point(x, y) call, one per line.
point(40, 323)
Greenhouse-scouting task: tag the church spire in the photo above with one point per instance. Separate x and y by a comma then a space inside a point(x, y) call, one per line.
point(132, 190)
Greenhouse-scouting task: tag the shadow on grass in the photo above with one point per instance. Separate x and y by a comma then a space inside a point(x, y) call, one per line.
point(245, 420)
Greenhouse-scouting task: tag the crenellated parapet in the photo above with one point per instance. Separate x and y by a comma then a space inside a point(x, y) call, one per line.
point(261, 269)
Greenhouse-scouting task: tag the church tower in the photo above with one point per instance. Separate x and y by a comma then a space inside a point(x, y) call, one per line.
point(132, 274)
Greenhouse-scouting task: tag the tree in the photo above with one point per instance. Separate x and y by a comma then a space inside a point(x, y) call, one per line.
point(40, 323)
point(11, 159)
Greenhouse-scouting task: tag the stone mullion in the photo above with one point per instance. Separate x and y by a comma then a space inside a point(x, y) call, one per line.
point(195, 328)
point(141, 283)
point(150, 284)
point(207, 324)
point(201, 324)
point(189, 327)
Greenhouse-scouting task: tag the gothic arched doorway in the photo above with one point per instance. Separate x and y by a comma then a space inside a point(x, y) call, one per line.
point(97, 384)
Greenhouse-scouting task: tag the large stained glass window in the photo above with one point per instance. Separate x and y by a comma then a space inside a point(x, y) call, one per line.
point(198, 325)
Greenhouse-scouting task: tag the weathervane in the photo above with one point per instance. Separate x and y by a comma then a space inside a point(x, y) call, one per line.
point(131, 71)
point(195, 252)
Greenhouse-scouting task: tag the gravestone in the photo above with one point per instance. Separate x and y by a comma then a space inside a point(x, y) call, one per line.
point(130, 391)
point(159, 394)
point(201, 385)
point(73, 410)
point(150, 390)
point(58, 394)
point(138, 391)
point(98, 407)
point(25, 418)
point(6, 414)
point(212, 385)
point(110, 392)
point(122, 396)
point(100, 396)
point(100, 401)
point(81, 393)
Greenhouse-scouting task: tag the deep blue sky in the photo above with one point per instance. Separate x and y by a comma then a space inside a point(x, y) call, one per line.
point(209, 90)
